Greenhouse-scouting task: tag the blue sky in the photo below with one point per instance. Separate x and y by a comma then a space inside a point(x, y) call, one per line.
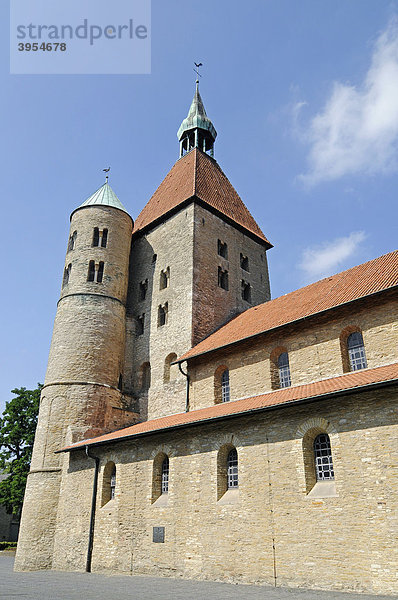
point(303, 96)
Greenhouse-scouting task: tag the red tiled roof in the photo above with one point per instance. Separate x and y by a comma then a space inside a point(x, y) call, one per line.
point(349, 381)
point(197, 174)
point(369, 278)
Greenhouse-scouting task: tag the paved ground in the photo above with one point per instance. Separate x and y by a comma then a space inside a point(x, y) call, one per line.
point(52, 585)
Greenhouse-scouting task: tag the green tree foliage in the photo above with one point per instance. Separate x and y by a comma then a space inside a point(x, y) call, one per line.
point(17, 432)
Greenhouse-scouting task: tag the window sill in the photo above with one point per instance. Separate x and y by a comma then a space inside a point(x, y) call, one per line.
point(323, 489)
point(230, 497)
point(163, 500)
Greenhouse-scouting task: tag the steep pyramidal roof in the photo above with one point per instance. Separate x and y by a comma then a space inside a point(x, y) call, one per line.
point(366, 279)
point(104, 196)
point(197, 175)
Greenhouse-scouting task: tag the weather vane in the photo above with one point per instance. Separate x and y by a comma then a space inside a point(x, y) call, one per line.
point(198, 65)
point(107, 171)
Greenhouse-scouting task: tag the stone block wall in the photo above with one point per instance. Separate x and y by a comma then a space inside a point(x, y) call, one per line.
point(271, 530)
point(313, 348)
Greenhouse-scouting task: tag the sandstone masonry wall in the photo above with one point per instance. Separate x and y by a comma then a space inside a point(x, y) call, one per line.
point(344, 541)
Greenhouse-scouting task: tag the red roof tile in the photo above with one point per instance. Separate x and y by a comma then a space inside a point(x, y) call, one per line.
point(363, 280)
point(349, 381)
point(197, 174)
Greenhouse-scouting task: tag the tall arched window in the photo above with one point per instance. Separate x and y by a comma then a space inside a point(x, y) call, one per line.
point(113, 482)
point(323, 457)
point(356, 351)
point(104, 238)
point(284, 370)
point(165, 475)
point(108, 482)
point(170, 371)
point(91, 271)
point(232, 469)
point(225, 389)
point(96, 237)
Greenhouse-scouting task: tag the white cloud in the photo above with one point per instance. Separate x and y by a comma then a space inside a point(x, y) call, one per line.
point(357, 130)
point(328, 258)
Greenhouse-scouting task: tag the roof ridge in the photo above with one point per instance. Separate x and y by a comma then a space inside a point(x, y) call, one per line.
point(358, 282)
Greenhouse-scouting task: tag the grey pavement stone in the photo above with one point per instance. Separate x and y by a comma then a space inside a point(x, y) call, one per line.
point(55, 585)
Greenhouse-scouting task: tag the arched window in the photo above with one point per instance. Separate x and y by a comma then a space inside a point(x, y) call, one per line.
point(145, 376)
point(356, 351)
point(67, 272)
point(100, 273)
point(91, 271)
point(96, 236)
point(165, 476)
point(108, 483)
point(162, 314)
point(72, 239)
point(113, 482)
point(160, 479)
point(323, 457)
point(232, 469)
point(104, 238)
point(284, 370)
point(170, 371)
point(225, 389)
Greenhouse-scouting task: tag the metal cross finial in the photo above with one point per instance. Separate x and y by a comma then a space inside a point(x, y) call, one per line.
point(107, 171)
point(198, 65)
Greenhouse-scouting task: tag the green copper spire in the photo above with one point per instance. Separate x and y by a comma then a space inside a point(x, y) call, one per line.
point(197, 131)
point(104, 196)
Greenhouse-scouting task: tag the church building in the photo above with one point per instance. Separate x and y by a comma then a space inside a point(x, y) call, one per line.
point(190, 426)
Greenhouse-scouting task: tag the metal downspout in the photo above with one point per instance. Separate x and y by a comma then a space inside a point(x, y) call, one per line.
point(187, 392)
point(92, 514)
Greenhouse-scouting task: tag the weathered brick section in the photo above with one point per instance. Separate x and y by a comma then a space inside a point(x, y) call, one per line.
point(341, 542)
point(80, 397)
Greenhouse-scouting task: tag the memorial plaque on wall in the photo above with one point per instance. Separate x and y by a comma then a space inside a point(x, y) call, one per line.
point(158, 535)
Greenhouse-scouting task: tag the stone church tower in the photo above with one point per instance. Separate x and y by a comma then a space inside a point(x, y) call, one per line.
point(198, 258)
point(133, 299)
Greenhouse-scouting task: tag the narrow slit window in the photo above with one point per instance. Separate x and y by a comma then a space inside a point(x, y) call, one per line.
point(162, 315)
point(113, 483)
point(120, 382)
point(143, 289)
point(164, 278)
point(323, 457)
point(91, 271)
point(165, 476)
point(284, 370)
point(100, 272)
point(104, 238)
point(232, 469)
point(140, 323)
point(67, 273)
point(225, 388)
point(72, 240)
point(96, 237)
point(246, 291)
point(356, 351)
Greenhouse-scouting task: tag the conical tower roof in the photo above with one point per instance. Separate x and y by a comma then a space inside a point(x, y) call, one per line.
point(104, 196)
point(197, 117)
point(196, 177)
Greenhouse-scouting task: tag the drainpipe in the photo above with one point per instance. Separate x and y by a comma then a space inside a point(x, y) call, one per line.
point(187, 393)
point(92, 514)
